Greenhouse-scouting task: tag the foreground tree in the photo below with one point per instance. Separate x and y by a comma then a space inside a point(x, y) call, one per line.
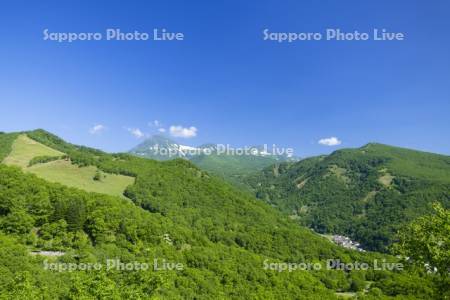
point(426, 244)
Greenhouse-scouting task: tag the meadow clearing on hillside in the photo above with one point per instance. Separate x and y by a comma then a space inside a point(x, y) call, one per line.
point(25, 149)
point(63, 171)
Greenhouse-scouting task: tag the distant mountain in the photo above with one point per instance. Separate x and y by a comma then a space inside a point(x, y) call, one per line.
point(233, 167)
point(219, 159)
point(160, 147)
point(365, 193)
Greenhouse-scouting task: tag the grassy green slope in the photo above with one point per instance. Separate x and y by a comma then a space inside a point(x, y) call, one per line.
point(24, 149)
point(64, 172)
point(365, 193)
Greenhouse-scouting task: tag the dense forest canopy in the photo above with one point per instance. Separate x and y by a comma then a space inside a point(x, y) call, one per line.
point(173, 211)
point(366, 193)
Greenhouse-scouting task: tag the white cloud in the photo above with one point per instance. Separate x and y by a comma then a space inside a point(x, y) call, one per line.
point(155, 123)
point(97, 129)
point(136, 132)
point(184, 132)
point(331, 141)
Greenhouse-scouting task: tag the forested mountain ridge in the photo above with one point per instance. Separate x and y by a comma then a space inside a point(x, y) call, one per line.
point(221, 236)
point(366, 193)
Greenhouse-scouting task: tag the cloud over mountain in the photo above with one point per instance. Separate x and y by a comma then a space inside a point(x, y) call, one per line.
point(136, 132)
point(331, 141)
point(97, 129)
point(184, 132)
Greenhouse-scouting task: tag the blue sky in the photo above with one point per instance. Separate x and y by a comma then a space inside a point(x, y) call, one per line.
point(224, 79)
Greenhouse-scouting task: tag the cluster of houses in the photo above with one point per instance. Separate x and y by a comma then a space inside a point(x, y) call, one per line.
point(346, 242)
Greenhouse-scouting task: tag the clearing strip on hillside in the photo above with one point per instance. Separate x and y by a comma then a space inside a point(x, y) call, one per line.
point(63, 171)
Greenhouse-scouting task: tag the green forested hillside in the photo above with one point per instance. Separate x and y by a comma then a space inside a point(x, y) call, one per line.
point(366, 193)
point(232, 167)
point(220, 236)
point(6, 142)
